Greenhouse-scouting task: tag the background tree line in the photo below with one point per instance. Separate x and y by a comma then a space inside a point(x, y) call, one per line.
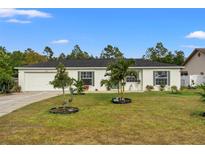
point(10, 60)
point(18, 58)
point(161, 54)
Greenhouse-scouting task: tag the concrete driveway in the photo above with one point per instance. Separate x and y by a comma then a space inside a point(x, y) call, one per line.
point(15, 101)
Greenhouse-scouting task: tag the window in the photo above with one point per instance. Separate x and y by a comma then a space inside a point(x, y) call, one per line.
point(131, 79)
point(87, 77)
point(161, 78)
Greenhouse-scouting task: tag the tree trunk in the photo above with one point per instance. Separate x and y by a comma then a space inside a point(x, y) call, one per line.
point(123, 89)
point(118, 89)
point(70, 97)
point(64, 102)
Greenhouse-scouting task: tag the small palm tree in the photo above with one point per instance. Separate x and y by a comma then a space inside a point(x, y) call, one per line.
point(79, 86)
point(108, 83)
point(119, 70)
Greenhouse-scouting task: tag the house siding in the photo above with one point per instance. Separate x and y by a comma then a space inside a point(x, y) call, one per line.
point(148, 78)
point(195, 65)
point(145, 77)
point(98, 76)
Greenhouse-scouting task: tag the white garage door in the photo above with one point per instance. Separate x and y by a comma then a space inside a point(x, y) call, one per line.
point(38, 81)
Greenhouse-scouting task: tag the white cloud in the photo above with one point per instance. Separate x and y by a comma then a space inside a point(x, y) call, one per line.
point(190, 46)
point(197, 35)
point(18, 21)
point(20, 12)
point(62, 41)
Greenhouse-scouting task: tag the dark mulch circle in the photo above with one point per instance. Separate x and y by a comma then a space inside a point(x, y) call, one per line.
point(203, 114)
point(118, 100)
point(79, 94)
point(64, 110)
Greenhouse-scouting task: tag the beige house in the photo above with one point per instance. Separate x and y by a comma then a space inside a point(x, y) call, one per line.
point(193, 72)
point(36, 77)
point(195, 63)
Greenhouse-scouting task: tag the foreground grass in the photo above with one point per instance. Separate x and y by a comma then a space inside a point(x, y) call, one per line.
point(152, 118)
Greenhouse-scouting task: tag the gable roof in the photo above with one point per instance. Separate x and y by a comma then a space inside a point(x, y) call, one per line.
point(202, 50)
point(99, 63)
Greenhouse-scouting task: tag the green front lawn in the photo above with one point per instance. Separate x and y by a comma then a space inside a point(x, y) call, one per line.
point(152, 118)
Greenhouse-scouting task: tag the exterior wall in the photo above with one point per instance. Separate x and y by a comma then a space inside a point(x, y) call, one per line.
point(145, 77)
point(175, 78)
point(134, 86)
point(99, 75)
point(195, 65)
point(185, 80)
point(21, 79)
point(192, 80)
point(32, 76)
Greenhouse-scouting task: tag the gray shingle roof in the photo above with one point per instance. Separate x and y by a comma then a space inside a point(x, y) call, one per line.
point(98, 63)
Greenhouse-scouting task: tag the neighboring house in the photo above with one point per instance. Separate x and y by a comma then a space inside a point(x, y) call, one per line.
point(193, 72)
point(36, 77)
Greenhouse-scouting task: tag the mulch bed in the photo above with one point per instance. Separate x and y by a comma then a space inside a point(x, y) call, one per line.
point(118, 100)
point(64, 110)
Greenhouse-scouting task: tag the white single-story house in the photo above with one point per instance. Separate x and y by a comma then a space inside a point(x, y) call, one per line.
point(36, 77)
point(193, 72)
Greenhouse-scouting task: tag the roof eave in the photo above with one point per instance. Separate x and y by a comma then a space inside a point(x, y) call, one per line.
point(190, 56)
point(53, 68)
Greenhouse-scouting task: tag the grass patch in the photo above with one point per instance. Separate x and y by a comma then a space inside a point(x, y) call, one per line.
point(151, 118)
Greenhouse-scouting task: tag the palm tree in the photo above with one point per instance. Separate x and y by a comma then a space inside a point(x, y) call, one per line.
point(119, 70)
point(108, 83)
point(79, 86)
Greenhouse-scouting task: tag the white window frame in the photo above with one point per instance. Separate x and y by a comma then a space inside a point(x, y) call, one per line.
point(87, 75)
point(158, 77)
point(131, 79)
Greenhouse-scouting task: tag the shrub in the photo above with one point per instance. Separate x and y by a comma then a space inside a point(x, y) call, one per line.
point(192, 83)
point(191, 87)
point(6, 83)
point(202, 86)
point(183, 88)
point(79, 86)
point(198, 113)
point(174, 90)
point(16, 88)
point(162, 87)
point(149, 87)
